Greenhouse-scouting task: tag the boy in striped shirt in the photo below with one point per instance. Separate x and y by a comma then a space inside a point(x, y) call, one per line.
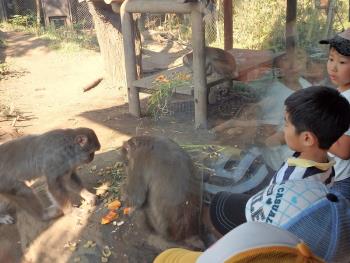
point(315, 118)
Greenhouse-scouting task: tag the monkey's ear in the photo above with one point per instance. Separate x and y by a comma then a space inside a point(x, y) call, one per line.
point(81, 140)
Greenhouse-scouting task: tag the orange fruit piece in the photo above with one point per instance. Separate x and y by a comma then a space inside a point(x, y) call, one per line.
point(127, 210)
point(114, 205)
point(109, 217)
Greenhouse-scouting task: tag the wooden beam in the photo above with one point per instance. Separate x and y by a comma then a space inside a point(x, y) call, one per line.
point(157, 6)
point(114, 1)
point(228, 25)
point(106, 1)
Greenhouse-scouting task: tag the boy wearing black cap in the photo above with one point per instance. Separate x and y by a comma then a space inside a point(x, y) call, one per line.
point(338, 68)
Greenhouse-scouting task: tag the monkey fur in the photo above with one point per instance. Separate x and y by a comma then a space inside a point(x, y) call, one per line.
point(161, 182)
point(5, 217)
point(217, 61)
point(52, 159)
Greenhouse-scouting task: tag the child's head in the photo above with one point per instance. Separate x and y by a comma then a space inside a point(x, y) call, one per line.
point(338, 65)
point(315, 116)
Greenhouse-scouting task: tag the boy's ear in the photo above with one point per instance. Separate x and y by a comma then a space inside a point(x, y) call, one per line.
point(309, 138)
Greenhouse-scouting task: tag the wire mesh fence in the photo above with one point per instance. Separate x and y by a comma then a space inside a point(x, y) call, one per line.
point(77, 12)
point(20, 7)
point(81, 16)
point(179, 25)
point(256, 25)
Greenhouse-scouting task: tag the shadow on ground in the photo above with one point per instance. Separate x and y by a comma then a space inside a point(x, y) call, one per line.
point(24, 43)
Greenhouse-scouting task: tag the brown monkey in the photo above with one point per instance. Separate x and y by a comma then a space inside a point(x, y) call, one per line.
point(217, 60)
point(34, 167)
point(161, 182)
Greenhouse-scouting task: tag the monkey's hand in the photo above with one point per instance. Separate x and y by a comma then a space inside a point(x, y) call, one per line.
point(7, 220)
point(51, 212)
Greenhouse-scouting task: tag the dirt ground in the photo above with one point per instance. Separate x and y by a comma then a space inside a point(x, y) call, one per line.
point(46, 86)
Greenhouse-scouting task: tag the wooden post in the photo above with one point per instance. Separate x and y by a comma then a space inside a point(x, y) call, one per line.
point(130, 61)
point(291, 16)
point(199, 77)
point(228, 25)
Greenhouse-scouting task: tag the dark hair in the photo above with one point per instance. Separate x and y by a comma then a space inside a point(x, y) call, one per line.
point(321, 110)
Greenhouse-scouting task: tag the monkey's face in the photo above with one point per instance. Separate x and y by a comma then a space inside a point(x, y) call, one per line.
point(129, 152)
point(126, 152)
point(87, 143)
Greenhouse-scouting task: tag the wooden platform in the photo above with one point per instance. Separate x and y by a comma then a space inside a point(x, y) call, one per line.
point(251, 65)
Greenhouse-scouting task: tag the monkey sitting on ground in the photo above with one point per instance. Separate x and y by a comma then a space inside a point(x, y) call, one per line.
point(34, 167)
point(161, 184)
point(217, 61)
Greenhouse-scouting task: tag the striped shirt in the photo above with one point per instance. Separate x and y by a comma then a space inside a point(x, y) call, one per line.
point(296, 168)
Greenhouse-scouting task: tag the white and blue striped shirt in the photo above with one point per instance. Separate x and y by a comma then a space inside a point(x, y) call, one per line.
point(296, 169)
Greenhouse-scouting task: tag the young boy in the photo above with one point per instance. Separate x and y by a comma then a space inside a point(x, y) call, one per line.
point(315, 118)
point(338, 68)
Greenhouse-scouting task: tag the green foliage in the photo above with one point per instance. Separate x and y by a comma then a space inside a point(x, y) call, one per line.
point(116, 178)
point(23, 20)
point(261, 24)
point(159, 101)
point(69, 39)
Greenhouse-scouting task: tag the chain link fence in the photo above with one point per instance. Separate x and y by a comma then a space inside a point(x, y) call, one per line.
point(81, 16)
point(78, 12)
point(258, 25)
point(20, 7)
point(179, 25)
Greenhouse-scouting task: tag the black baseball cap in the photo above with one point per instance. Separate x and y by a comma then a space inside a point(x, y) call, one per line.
point(341, 42)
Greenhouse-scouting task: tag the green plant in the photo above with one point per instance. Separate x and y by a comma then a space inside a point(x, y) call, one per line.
point(261, 24)
point(116, 178)
point(159, 101)
point(23, 20)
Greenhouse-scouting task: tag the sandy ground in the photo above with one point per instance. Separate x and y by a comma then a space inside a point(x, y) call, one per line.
point(47, 88)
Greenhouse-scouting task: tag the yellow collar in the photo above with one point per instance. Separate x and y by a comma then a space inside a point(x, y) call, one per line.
point(308, 163)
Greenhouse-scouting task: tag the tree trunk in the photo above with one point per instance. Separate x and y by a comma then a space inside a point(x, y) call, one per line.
point(109, 35)
point(3, 13)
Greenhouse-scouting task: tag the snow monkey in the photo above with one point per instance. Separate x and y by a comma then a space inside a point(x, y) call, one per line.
point(217, 60)
point(37, 171)
point(162, 184)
